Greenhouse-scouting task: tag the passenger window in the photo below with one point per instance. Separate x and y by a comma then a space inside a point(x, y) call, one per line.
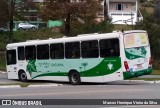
point(30, 52)
point(11, 57)
point(109, 47)
point(42, 52)
point(72, 50)
point(90, 49)
point(21, 55)
point(57, 51)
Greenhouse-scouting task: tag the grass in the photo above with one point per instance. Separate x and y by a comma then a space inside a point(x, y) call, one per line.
point(155, 72)
point(2, 61)
point(121, 26)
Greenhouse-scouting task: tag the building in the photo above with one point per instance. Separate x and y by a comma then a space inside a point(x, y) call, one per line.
point(123, 11)
point(119, 11)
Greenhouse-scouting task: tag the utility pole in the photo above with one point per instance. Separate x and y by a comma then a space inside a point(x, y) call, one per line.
point(12, 3)
point(132, 20)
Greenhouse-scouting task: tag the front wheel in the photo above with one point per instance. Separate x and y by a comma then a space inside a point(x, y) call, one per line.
point(20, 28)
point(33, 28)
point(22, 76)
point(74, 78)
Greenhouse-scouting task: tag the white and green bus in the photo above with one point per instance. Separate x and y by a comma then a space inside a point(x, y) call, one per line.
point(85, 58)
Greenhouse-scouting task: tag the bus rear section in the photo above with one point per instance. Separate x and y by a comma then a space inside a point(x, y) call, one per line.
point(137, 56)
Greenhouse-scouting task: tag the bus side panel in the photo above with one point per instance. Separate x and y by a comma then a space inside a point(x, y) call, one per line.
point(91, 70)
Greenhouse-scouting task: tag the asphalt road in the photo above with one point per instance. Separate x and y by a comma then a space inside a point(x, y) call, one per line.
point(112, 90)
point(85, 91)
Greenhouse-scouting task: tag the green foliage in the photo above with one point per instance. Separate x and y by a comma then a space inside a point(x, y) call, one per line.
point(157, 12)
point(22, 8)
point(24, 35)
point(91, 27)
point(120, 27)
point(102, 27)
point(43, 33)
point(70, 12)
point(3, 13)
point(146, 3)
point(3, 40)
point(2, 61)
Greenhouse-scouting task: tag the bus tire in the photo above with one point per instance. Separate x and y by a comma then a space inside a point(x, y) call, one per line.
point(22, 76)
point(74, 78)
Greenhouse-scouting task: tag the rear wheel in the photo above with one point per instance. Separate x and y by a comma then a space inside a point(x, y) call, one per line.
point(20, 28)
point(33, 28)
point(74, 78)
point(22, 76)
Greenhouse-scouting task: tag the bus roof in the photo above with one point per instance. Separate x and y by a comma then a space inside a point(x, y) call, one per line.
point(83, 37)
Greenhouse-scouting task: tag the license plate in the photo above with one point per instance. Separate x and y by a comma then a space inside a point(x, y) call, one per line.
point(139, 66)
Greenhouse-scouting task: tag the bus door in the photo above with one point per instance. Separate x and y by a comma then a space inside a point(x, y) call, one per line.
point(11, 64)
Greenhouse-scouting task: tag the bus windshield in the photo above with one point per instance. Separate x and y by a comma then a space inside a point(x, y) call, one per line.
point(135, 40)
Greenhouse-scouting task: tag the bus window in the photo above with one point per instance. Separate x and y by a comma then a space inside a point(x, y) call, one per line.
point(109, 47)
point(72, 50)
point(57, 51)
point(21, 53)
point(30, 52)
point(11, 57)
point(90, 49)
point(42, 52)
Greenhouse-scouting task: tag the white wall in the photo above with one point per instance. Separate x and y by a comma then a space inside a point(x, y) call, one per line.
point(122, 16)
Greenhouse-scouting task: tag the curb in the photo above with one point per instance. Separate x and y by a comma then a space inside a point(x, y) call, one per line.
point(158, 81)
point(39, 85)
point(54, 85)
point(46, 85)
point(10, 86)
point(3, 72)
point(142, 81)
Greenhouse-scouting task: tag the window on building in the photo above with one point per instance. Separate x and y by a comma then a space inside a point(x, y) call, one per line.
point(72, 50)
point(126, 5)
point(21, 55)
point(119, 7)
point(90, 49)
point(11, 57)
point(30, 52)
point(57, 51)
point(109, 47)
point(42, 52)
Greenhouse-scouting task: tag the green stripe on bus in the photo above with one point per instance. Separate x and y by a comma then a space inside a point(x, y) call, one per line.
point(105, 67)
point(134, 53)
point(127, 75)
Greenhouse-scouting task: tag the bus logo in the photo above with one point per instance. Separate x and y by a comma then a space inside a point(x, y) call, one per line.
point(110, 66)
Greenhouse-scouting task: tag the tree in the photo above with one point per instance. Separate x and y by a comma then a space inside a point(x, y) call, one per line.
point(23, 9)
point(3, 13)
point(68, 12)
point(12, 10)
point(149, 24)
point(157, 11)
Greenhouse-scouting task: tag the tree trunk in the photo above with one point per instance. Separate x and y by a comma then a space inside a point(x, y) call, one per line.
point(11, 21)
point(67, 25)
